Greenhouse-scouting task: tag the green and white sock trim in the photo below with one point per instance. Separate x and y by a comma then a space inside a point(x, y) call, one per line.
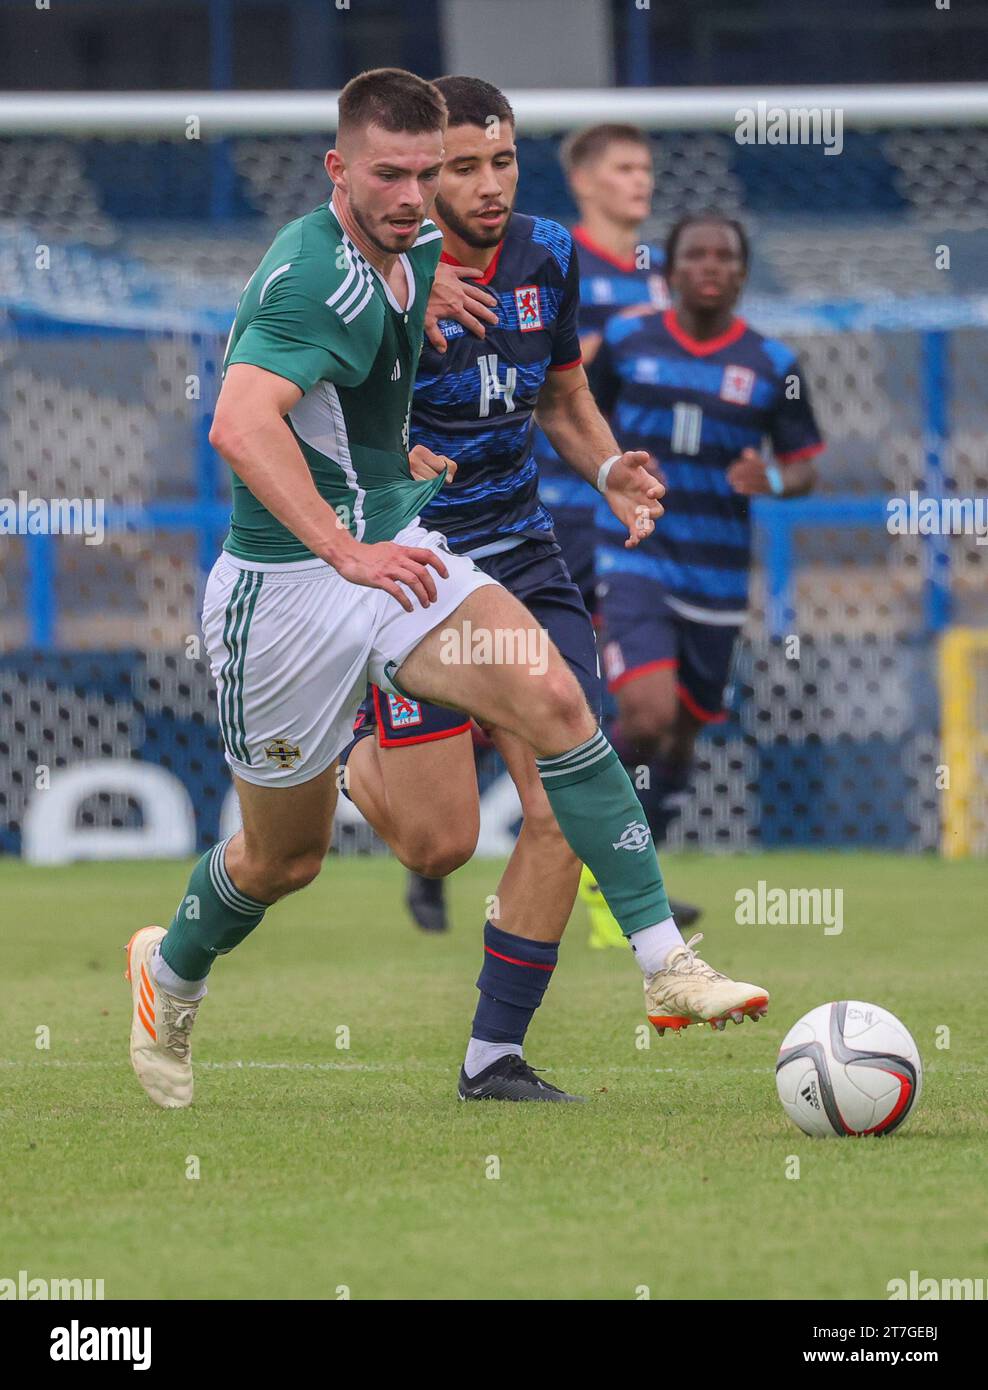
point(226, 890)
point(604, 825)
point(579, 763)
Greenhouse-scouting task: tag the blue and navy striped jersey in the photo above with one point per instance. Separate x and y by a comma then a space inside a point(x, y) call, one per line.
point(475, 403)
point(694, 406)
point(607, 286)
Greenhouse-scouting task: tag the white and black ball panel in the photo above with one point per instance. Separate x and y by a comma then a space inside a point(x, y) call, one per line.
point(802, 1094)
point(848, 1068)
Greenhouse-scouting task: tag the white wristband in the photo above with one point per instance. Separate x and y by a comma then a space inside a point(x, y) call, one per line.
point(774, 477)
point(603, 471)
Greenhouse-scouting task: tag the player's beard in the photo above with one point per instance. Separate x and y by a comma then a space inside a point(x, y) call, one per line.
point(479, 240)
point(363, 223)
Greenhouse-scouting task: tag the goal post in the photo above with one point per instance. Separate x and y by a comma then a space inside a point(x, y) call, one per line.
point(964, 742)
point(538, 112)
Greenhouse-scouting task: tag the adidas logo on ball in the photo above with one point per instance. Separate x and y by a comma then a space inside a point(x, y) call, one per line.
point(810, 1096)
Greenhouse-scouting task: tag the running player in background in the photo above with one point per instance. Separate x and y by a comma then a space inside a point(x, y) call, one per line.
point(609, 172)
point(611, 179)
point(701, 391)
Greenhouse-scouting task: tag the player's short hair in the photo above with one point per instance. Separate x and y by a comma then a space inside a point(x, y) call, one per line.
point(582, 147)
point(472, 101)
point(392, 98)
point(702, 219)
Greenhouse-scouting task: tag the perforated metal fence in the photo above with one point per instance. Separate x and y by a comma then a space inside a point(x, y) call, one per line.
point(835, 745)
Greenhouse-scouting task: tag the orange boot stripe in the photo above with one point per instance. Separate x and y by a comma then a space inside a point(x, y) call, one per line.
point(148, 1003)
point(147, 1024)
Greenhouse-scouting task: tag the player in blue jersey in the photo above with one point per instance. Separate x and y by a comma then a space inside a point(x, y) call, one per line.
point(702, 392)
point(611, 179)
point(410, 769)
point(609, 171)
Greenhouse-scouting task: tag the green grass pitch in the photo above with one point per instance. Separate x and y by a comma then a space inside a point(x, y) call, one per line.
point(325, 1168)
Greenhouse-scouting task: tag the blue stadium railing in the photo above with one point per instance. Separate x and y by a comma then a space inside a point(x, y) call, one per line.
point(206, 516)
point(775, 528)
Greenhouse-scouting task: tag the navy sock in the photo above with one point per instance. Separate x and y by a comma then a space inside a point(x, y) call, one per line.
point(662, 799)
point(512, 981)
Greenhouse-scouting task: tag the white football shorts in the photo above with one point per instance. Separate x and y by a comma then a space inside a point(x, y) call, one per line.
point(292, 648)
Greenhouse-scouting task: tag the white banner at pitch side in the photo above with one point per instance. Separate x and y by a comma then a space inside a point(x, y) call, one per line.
point(52, 836)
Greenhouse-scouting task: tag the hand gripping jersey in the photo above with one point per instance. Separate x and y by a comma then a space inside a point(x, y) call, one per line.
point(475, 403)
point(694, 406)
point(317, 313)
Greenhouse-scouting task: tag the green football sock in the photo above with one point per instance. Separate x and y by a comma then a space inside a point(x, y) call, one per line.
point(212, 918)
point(605, 826)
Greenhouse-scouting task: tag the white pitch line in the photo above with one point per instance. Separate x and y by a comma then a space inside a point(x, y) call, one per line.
point(440, 1069)
point(411, 1067)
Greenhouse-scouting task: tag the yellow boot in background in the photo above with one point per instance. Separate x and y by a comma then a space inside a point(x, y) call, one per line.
point(604, 929)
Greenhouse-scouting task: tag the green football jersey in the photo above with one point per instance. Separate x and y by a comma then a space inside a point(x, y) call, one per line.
point(316, 312)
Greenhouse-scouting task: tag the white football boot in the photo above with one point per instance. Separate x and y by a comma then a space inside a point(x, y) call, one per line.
point(688, 990)
point(159, 1033)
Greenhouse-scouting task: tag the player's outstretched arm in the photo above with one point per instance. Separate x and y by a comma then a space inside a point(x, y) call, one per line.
point(578, 432)
point(250, 432)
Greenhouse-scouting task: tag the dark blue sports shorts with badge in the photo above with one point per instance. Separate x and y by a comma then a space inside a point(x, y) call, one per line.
point(535, 572)
point(640, 631)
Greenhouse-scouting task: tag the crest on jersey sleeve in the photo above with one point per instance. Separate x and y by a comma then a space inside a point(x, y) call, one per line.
point(737, 385)
point(527, 306)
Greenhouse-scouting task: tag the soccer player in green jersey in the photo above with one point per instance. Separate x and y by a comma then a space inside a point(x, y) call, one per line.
point(327, 580)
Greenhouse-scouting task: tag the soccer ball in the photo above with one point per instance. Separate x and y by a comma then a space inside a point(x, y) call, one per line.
point(848, 1068)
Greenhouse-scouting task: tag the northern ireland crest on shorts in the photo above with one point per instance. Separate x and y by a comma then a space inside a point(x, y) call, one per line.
point(737, 385)
point(527, 306)
point(404, 713)
point(283, 752)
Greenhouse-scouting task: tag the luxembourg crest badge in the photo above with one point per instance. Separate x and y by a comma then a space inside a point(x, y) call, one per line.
point(528, 309)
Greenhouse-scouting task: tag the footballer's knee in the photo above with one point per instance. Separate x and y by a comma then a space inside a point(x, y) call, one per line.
point(647, 716)
point(438, 854)
point(557, 709)
point(276, 878)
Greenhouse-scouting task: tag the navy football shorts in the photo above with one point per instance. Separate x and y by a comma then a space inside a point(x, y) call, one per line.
point(576, 536)
point(535, 572)
point(639, 632)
